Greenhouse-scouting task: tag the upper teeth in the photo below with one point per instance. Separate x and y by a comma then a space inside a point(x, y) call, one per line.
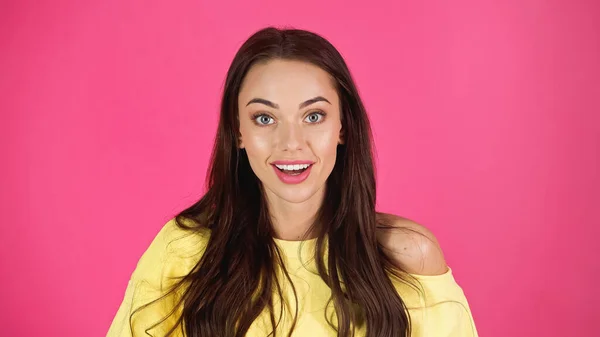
point(293, 167)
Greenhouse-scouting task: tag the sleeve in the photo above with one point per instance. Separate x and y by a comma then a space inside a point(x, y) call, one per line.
point(438, 307)
point(120, 324)
point(148, 305)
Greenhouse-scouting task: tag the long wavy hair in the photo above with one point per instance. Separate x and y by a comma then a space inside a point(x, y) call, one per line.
point(235, 279)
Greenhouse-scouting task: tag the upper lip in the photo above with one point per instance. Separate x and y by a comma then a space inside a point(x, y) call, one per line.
point(292, 162)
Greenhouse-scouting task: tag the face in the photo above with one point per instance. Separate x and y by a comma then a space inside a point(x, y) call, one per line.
point(290, 127)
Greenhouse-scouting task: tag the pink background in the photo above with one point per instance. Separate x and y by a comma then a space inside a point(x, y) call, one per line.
point(486, 117)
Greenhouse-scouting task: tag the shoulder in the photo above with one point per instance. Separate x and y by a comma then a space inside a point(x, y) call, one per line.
point(410, 246)
point(173, 251)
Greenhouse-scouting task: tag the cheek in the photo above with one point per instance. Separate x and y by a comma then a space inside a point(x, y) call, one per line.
point(325, 145)
point(256, 142)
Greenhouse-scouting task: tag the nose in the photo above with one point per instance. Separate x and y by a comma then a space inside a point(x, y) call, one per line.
point(291, 137)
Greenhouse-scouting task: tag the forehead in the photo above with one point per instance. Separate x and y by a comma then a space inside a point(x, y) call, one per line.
point(287, 80)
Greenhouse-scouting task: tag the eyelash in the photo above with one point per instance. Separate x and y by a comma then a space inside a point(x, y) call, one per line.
point(260, 114)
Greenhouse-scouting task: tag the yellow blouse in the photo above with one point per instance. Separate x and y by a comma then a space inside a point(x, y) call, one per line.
point(439, 309)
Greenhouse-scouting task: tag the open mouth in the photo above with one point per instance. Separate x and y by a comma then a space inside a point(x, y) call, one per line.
point(293, 170)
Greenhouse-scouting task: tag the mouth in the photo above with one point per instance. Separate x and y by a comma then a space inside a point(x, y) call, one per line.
point(292, 173)
point(292, 170)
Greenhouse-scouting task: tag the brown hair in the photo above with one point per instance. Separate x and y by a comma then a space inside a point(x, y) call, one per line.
point(235, 280)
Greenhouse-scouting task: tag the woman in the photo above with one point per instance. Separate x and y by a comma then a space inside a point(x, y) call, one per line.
point(286, 241)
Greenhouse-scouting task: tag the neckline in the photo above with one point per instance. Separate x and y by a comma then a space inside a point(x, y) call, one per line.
point(297, 248)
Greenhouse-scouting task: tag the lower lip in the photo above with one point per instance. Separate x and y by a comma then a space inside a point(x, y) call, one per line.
point(290, 179)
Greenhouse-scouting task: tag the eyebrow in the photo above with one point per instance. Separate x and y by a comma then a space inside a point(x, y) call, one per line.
point(275, 106)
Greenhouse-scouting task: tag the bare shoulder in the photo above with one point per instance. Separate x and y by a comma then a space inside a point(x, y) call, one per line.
point(411, 246)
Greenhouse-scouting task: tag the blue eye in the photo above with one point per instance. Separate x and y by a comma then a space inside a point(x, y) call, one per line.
point(263, 119)
point(315, 117)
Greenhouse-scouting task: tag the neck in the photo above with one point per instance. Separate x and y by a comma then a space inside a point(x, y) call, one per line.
point(293, 220)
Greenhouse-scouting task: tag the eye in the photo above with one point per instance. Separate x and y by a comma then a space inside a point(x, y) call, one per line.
point(263, 119)
point(315, 117)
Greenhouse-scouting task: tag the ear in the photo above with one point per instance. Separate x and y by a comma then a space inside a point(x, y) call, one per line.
point(341, 139)
point(240, 143)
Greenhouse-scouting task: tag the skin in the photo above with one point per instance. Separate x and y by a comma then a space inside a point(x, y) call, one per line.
point(289, 110)
point(290, 130)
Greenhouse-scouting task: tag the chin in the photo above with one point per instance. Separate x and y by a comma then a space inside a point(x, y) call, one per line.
point(295, 195)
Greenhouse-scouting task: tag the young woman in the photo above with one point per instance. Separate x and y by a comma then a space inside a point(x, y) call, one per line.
point(286, 241)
